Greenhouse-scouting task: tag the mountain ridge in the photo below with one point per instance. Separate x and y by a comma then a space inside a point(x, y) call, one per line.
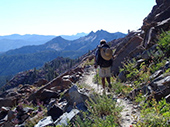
point(28, 56)
point(58, 43)
point(14, 41)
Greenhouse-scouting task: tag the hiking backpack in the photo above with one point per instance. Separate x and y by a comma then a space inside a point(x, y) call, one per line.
point(98, 58)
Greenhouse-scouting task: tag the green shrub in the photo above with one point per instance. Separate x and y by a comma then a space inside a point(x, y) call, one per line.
point(156, 115)
point(164, 41)
point(102, 112)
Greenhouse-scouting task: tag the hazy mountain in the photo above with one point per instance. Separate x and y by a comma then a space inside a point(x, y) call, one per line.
point(14, 41)
point(74, 37)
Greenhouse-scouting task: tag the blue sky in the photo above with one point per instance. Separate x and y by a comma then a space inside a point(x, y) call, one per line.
point(68, 17)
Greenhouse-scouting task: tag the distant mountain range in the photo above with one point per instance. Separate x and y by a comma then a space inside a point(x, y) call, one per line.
point(17, 41)
point(28, 57)
point(14, 41)
point(59, 44)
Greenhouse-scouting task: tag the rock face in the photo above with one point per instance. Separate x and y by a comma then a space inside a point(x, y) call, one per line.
point(135, 43)
point(156, 21)
point(123, 52)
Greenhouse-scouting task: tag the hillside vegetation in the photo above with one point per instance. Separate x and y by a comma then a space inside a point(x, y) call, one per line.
point(140, 83)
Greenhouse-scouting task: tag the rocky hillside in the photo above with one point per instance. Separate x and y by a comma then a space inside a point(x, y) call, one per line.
point(46, 73)
point(141, 70)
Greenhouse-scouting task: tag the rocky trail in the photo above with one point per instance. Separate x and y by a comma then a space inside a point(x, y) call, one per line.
point(129, 114)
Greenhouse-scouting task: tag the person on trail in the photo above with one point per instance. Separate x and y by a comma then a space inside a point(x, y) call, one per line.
point(103, 58)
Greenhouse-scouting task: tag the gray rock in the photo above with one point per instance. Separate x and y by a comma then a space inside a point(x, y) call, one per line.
point(46, 95)
point(156, 74)
point(163, 81)
point(66, 117)
point(75, 99)
point(47, 121)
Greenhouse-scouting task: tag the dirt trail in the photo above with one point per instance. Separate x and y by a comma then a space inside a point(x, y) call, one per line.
point(129, 110)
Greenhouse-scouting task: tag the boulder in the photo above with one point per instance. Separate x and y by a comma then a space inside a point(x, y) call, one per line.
point(75, 99)
point(55, 112)
point(63, 120)
point(8, 102)
point(46, 95)
point(47, 121)
point(57, 84)
point(131, 45)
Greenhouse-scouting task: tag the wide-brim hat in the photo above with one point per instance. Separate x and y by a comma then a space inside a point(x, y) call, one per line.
point(106, 53)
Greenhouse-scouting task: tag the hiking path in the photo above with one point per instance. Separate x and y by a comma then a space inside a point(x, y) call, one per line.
point(129, 114)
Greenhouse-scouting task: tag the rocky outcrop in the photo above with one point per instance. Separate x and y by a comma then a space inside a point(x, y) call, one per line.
point(136, 42)
point(75, 99)
point(46, 95)
point(122, 53)
point(156, 22)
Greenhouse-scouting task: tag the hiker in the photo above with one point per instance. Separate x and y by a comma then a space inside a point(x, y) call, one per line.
point(103, 58)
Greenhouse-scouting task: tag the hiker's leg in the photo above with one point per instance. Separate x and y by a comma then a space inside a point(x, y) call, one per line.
point(108, 80)
point(103, 82)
